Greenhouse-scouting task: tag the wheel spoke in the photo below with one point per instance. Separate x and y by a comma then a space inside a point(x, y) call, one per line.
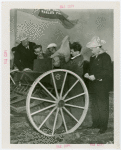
point(70, 114)
point(63, 119)
point(70, 89)
point(63, 85)
point(12, 80)
point(55, 121)
point(74, 97)
point(41, 99)
point(75, 106)
point(47, 91)
point(47, 118)
point(55, 86)
point(43, 109)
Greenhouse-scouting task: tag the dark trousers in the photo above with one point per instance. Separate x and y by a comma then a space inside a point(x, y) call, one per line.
point(100, 109)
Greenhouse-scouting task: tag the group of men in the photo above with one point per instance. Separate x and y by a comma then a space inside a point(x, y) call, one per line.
point(98, 73)
point(26, 52)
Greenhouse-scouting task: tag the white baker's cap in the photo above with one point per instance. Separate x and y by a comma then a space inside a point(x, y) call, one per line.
point(23, 38)
point(52, 45)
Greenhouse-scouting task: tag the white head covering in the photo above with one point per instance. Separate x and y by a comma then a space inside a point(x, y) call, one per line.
point(95, 42)
point(23, 38)
point(52, 45)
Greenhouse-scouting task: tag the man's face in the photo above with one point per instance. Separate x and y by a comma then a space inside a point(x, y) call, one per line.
point(95, 50)
point(38, 51)
point(52, 50)
point(25, 43)
point(74, 53)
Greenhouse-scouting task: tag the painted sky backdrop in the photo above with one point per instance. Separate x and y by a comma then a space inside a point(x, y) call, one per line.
point(91, 22)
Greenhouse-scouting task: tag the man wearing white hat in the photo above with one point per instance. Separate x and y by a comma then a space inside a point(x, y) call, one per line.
point(24, 54)
point(51, 49)
point(99, 76)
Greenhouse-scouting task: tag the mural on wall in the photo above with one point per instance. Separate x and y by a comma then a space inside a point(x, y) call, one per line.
point(44, 32)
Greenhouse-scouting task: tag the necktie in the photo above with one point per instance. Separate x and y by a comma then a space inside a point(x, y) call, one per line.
point(28, 52)
point(27, 49)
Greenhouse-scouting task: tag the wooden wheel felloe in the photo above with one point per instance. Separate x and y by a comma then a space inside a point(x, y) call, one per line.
point(62, 110)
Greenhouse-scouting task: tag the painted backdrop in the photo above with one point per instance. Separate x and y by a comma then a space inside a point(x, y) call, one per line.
point(91, 23)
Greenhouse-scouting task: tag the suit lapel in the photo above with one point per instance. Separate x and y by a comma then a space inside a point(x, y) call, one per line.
point(25, 52)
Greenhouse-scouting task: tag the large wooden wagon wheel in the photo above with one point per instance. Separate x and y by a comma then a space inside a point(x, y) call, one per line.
point(60, 111)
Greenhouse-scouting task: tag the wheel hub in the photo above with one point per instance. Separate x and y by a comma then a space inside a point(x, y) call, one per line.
point(61, 103)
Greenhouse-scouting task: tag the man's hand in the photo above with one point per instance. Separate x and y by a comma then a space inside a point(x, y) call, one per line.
point(92, 77)
point(27, 69)
point(86, 75)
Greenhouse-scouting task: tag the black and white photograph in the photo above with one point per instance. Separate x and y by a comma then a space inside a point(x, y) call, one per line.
point(61, 76)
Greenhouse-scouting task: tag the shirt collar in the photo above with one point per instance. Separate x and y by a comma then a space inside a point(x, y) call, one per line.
point(97, 54)
point(75, 56)
point(27, 47)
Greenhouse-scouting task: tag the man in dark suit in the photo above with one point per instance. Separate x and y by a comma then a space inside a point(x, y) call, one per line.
point(99, 75)
point(75, 64)
point(24, 55)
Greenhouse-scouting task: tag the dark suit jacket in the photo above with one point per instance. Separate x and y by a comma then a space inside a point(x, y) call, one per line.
point(14, 49)
point(101, 68)
point(85, 70)
point(75, 65)
point(24, 58)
